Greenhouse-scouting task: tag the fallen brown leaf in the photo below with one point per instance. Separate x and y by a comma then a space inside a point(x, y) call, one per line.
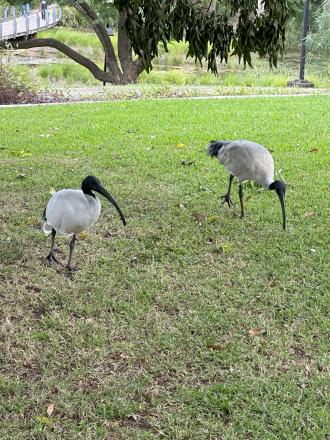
point(198, 217)
point(217, 346)
point(314, 150)
point(257, 331)
point(308, 371)
point(309, 213)
point(180, 205)
point(272, 283)
point(50, 409)
point(300, 352)
point(271, 279)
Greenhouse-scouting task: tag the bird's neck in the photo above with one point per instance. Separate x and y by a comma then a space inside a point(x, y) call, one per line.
point(88, 192)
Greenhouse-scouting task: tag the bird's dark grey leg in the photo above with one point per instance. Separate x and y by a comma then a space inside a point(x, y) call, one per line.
point(240, 193)
point(72, 244)
point(51, 256)
point(226, 198)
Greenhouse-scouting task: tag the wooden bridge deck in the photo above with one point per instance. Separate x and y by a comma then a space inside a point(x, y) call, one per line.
point(23, 26)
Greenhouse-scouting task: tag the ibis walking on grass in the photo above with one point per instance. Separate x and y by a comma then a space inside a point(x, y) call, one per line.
point(71, 211)
point(247, 160)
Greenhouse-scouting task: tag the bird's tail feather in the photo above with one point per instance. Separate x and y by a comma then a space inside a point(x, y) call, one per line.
point(214, 147)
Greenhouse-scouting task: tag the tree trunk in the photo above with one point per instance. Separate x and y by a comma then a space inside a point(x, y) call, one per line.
point(130, 68)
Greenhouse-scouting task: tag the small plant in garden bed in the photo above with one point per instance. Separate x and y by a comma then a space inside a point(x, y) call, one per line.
point(15, 90)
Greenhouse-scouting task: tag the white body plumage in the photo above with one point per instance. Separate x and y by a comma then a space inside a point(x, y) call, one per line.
point(71, 211)
point(248, 160)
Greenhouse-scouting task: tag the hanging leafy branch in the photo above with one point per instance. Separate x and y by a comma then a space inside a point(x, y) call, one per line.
point(229, 27)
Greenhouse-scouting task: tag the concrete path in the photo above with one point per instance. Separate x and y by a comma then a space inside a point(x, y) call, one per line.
point(99, 100)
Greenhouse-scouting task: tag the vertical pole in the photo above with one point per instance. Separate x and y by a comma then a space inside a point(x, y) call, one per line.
point(47, 18)
point(38, 21)
point(0, 30)
point(27, 26)
point(14, 27)
point(303, 40)
point(105, 67)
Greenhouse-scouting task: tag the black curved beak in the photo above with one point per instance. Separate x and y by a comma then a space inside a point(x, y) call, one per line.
point(281, 196)
point(100, 189)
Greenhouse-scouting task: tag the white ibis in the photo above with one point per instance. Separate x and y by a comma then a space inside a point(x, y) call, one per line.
point(71, 211)
point(247, 160)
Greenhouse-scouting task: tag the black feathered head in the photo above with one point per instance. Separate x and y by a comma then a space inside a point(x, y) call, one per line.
point(214, 147)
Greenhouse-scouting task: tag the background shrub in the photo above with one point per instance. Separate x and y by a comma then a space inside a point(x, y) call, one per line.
point(14, 89)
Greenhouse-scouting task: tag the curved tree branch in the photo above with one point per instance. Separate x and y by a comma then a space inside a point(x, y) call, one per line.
point(84, 8)
point(71, 53)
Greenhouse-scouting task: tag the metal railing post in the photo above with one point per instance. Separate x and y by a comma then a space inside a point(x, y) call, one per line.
point(14, 27)
point(0, 30)
point(38, 21)
point(27, 26)
point(47, 18)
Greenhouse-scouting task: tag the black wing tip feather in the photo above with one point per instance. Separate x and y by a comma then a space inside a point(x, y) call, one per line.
point(214, 147)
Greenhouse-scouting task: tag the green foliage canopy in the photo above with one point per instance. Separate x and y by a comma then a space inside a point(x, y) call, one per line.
point(210, 34)
point(229, 27)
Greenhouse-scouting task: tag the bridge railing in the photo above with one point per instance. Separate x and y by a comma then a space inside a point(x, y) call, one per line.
point(13, 26)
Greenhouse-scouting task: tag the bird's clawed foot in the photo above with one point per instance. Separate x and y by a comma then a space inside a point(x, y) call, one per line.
point(226, 199)
point(71, 269)
point(51, 259)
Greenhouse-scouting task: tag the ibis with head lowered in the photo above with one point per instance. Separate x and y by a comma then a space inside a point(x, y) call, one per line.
point(248, 160)
point(72, 211)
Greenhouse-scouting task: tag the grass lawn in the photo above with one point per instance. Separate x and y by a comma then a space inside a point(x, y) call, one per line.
point(188, 323)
